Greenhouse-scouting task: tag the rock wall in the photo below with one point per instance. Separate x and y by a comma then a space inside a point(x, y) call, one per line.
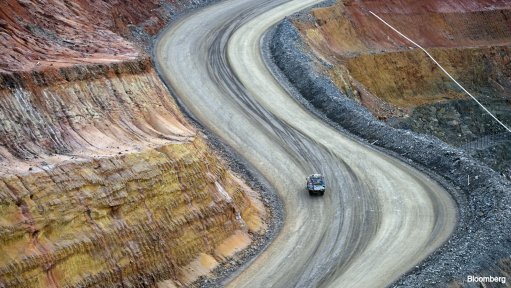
point(470, 39)
point(104, 183)
point(347, 28)
point(124, 220)
point(88, 108)
point(409, 79)
point(480, 244)
point(433, 104)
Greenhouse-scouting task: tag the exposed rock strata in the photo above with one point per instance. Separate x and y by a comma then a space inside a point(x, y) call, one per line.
point(347, 29)
point(103, 182)
point(87, 108)
point(480, 244)
point(131, 219)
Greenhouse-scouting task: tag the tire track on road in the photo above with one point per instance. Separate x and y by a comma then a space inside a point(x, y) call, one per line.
point(379, 217)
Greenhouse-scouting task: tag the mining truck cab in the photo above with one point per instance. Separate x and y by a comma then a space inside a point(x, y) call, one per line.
point(316, 184)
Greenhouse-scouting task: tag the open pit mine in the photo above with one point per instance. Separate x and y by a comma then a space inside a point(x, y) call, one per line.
point(167, 143)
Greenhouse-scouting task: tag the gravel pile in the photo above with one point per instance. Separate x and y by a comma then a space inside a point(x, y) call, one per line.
point(483, 233)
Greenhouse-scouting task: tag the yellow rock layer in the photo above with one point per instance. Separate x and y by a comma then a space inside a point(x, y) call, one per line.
point(122, 190)
point(144, 214)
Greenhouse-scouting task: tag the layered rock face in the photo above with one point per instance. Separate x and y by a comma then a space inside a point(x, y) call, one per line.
point(432, 23)
point(102, 180)
point(172, 212)
point(89, 109)
point(397, 82)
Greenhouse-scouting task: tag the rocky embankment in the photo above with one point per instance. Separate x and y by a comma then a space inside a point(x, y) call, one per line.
point(480, 244)
point(103, 182)
point(399, 84)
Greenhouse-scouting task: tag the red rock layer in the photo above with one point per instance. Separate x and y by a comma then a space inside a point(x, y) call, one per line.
point(436, 6)
point(36, 34)
point(86, 109)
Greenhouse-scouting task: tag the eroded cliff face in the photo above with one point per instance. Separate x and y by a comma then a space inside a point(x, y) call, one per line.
point(348, 29)
point(87, 108)
point(397, 82)
point(102, 180)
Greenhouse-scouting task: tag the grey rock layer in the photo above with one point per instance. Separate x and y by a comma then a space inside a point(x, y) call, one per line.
point(483, 234)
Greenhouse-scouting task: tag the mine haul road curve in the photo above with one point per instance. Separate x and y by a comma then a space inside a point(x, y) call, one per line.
point(379, 216)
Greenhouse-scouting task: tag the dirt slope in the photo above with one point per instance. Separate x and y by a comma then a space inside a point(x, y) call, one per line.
point(37, 34)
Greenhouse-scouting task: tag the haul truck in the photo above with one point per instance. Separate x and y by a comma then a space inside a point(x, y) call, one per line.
point(316, 184)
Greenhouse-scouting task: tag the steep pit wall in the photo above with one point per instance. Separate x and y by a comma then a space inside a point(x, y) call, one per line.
point(480, 244)
point(172, 212)
point(408, 79)
point(398, 83)
point(104, 183)
point(89, 109)
point(434, 104)
point(470, 41)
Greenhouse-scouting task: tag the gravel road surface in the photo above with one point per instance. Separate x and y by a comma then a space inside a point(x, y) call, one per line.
point(379, 217)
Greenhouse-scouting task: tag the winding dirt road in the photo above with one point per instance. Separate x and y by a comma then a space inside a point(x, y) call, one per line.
point(379, 217)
